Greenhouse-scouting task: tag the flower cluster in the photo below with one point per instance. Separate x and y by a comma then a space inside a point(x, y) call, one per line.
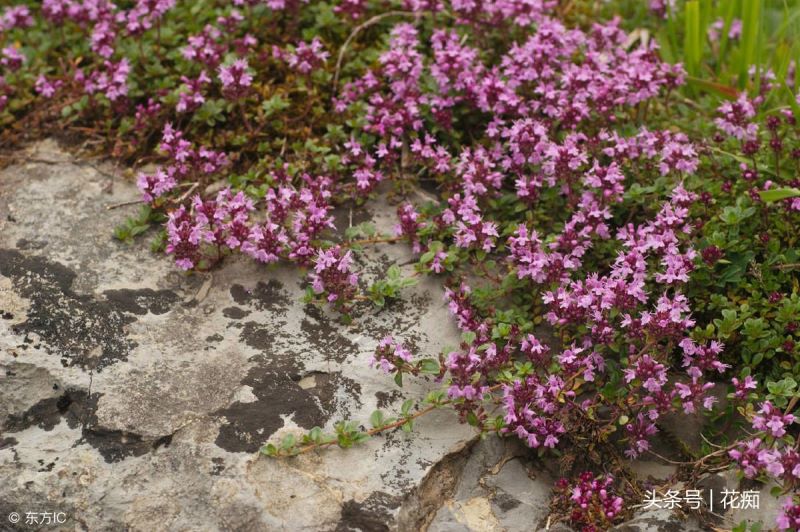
point(332, 275)
point(210, 223)
point(111, 81)
point(770, 451)
point(236, 79)
point(789, 519)
point(588, 502)
point(390, 355)
point(736, 119)
point(534, 143)
point(307, 57)
point(186, 162)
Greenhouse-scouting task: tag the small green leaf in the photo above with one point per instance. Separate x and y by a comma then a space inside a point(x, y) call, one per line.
point(429, 365)
point(288, 442)
point(778, 194)
point(315, 435)
point(269, 450)
point(376, 419)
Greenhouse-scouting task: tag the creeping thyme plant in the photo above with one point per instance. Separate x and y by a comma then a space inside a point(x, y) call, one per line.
point(615, 223)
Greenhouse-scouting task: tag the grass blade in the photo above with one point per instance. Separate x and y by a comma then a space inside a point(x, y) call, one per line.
point(751, 24)
point(691, 42)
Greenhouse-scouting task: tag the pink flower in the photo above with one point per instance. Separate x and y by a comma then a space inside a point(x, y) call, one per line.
point(771, 419)
point(11, 58)
point(45, 87)
point(15, 17)
point(736, 119)
point(748, 383)
point(235, 79)
point(307, 56)
point(332, 276)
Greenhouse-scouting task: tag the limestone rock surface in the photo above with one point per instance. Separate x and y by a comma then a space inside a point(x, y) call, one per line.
point(134, 396)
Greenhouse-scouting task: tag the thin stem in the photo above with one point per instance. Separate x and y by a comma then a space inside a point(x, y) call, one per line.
point(376, 240)
point(390, 426)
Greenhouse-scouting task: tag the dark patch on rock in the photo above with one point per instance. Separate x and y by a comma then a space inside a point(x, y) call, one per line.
point(326, 337)
point(6, 315)
point(84, 331)
point(265, 296)
point(215, 338)
point(373, 514)
point(387, 399)
point(328, 386)
point(24, 243)
point(218, 467)
point(248, 426)
point(143, 300)
point(258, 335)
point(235, 313)
point(506, 502)
point(163, 441)
point(7, 442)
point(78, 409)
point(46, 468)
point(116, 445)
point(47, 413)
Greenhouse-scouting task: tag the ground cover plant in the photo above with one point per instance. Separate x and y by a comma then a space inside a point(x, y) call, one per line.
point(616, 186)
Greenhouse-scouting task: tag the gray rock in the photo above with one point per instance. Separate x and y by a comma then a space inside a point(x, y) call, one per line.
point(757, 506)
point(134, 396)
point(499, 490)
point(659, 520)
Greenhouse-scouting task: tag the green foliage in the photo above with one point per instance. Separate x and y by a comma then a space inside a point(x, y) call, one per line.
point(389, 287)
point(720, 64)
point(136, 225)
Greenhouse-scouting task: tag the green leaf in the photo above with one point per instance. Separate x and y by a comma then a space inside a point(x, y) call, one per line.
point(398, 379)
point(315, 435)
point(468, 337)
point(429, 365)
point(275, 104)
point(288, 442)
point(269, 450)
point(406, 407)
point(393, 272)
point(427, 256)
point(778, 194)
point(377, 419)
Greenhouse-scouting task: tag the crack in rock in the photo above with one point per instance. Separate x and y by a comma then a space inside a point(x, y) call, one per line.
point(421, 504)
